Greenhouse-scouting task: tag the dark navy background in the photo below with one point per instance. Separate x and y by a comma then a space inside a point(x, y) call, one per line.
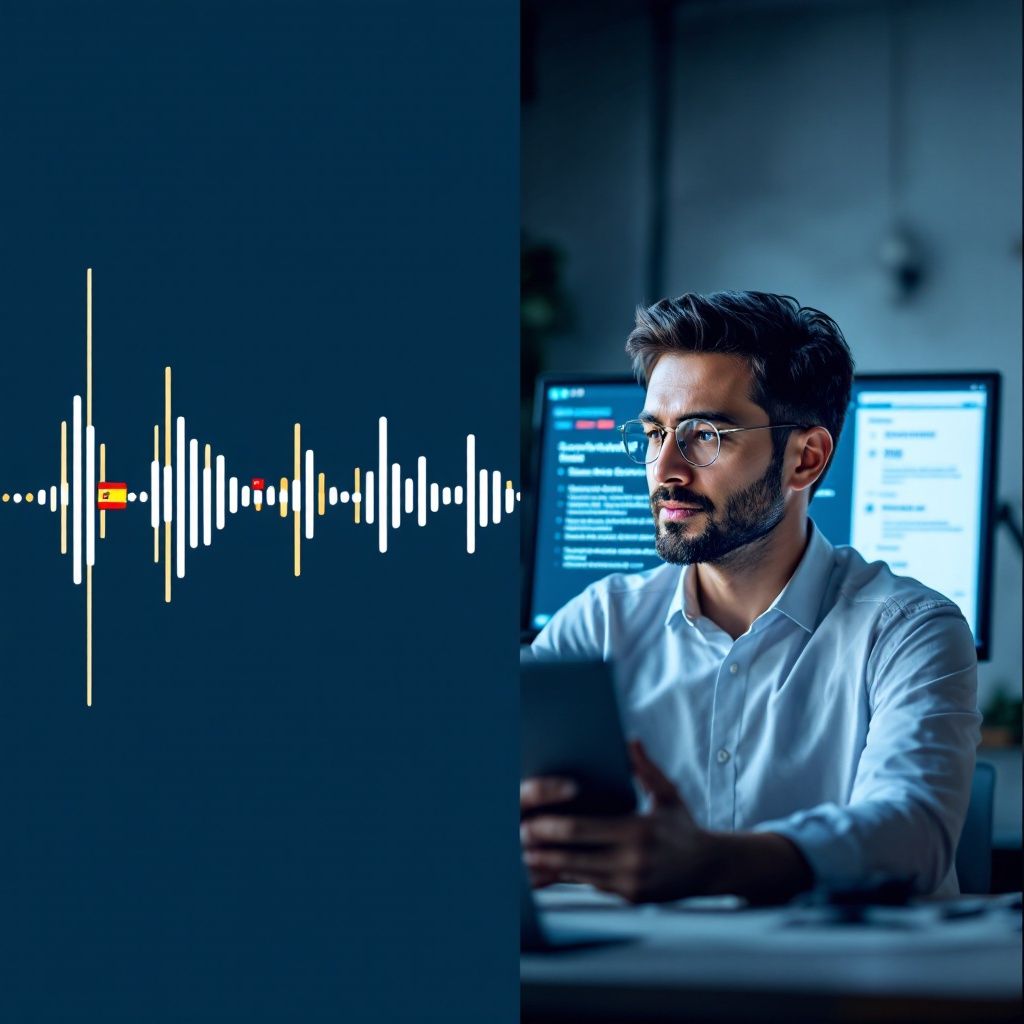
point(292, 799)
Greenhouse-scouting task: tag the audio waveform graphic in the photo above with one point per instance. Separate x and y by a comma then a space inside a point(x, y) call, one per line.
point(191, 503)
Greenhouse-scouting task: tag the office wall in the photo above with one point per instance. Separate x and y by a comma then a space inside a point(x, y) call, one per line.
point(585, 166)
point(800, 135)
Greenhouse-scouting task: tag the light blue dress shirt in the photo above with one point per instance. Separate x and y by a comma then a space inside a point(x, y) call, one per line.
point(845, 718)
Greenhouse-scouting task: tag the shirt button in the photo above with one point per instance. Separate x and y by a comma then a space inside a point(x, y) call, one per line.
point(723, 756)
point(733, 669)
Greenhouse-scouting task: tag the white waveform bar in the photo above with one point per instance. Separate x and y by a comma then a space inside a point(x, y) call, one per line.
point(308, 498)
point(90, 495)
point(220, 492)
point(193, 493)
point(179, 526)
point(382, 485)
point(470, 494)
point(421, 490)
point(396, 495)
point(168, 486)
point(207, 506)
point(154, 491)
point(76, 488)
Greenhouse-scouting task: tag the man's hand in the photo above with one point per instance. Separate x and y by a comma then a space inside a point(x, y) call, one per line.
point(659, 855)
point(535, 795)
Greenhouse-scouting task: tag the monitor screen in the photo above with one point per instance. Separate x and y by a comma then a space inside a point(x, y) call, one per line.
point(912, 477)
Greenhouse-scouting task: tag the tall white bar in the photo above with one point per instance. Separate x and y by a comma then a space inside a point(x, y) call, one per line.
point(396, 495)
point(421, 490)
point(470, 494)
point(484, 507)
point(446, 495)
point(270, 495)
point(179, 483)
point(207, 506)
point(510, 500)
point(408, 495)
point(168, 495)
point(233, 495)
point(382, 482)
point(496, 497)
point(53, 498)
point(245, 496)
point(90, 495)
point(457, 497)
point(193, 493)
point(220, 492)
point(332, 495)
point(154, 494)
point(434, 497)
point(76, 489)
point(370, 505)
point(308, 496)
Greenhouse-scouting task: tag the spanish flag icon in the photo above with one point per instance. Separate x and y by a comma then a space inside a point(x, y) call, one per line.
point(111, 496)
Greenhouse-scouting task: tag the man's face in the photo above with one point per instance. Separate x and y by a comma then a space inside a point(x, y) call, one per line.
point(706, 514)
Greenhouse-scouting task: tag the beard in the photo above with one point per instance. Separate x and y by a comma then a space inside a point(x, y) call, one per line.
point(749, 516)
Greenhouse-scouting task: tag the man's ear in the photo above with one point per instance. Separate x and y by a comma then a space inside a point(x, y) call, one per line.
point(813, 449)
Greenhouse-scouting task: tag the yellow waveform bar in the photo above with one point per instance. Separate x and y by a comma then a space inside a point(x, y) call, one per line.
point(282, 497)
point(356, 505)
point(298, 480)
point(321, 496)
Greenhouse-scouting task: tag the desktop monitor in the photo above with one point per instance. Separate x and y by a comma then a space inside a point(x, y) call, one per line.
point(911, 484)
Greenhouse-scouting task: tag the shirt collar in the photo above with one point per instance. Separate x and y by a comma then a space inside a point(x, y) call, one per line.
point(801, 597)
point(685, 601)
point(799, 600)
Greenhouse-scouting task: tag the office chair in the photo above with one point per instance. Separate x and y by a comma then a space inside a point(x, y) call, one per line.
point(974, 851)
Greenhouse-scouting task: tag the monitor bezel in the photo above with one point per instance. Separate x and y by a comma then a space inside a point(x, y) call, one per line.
point(990, 378)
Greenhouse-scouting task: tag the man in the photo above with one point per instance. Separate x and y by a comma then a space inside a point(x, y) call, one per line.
point(801, 716)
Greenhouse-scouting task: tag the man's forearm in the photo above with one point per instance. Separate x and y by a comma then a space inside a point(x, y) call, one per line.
point(763, 867)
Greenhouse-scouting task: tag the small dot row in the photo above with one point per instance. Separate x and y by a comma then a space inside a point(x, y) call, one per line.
point(40, 497)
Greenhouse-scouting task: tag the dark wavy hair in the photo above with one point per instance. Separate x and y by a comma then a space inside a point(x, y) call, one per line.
point(800, 365)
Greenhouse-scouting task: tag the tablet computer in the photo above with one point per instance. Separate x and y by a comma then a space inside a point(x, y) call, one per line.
point(570, 728)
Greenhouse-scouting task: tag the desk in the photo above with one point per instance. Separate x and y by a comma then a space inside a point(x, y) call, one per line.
point(698, 961)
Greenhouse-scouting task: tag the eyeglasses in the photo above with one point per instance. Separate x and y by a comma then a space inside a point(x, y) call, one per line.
point(700, 442)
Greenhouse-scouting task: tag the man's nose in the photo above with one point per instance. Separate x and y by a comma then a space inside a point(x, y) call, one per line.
point(670, 466)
